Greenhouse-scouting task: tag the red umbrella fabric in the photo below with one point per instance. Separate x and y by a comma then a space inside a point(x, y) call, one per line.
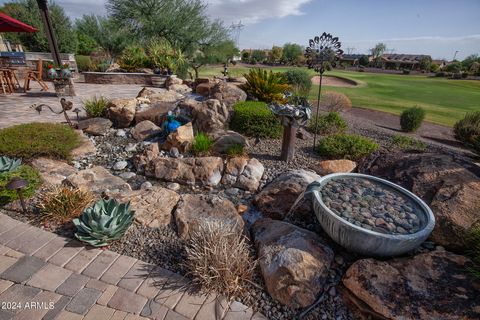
point(8, 24)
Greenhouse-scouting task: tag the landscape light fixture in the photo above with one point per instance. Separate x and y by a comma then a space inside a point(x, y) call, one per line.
point(321, 51)
point(18, 185)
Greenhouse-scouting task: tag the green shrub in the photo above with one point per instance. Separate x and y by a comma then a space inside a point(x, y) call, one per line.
point(300, 81)
point(266, 86)
point(331, 123)
point(84, 63)
point(202, 143)
point(134, 57)
point(236, 150)
point(473, 240)
point(411, 119)
point(346, 146)
point(96, 106)
point(24, 172)
point(405, 143)
point(33, 140)
point(255, 119)
point(467, 130)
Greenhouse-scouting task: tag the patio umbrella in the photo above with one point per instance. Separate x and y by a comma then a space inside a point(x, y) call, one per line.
point(8, 24)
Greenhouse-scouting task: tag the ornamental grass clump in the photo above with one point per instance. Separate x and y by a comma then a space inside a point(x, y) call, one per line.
point(63, 203)
point(219, 259)
point(202, 144)
point(96, 107)
point(104, 222)
point(346, 146)
point(408, 143)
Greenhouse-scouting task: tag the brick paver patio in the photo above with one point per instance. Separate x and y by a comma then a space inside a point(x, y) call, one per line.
point(45, 276)
point(15, 108)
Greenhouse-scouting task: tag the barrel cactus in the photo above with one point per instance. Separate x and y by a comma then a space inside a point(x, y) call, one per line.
point(105, 221)
point(9, 164)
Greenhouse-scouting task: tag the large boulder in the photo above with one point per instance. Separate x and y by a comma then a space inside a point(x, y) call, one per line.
point(173, 80)
point(206, 171)
point(97, 180)
point(145, 130)
point(141, 161)
point(153, 207)
point(335, 166)
point(180, 88)
point(53, 172)
point(448, 185)
point(294, 262)
point(226, 139)
point(95, 126)
point(155, 113)
point(243, 173)
point(278, 197)
point(163, 95)
point(204, 89)
point(121, 112)
point(227, 93)
point(145, 93)
point(194, 209)
point(435, 285)
point(211, 115)
point(181, 139)
point(84, 149)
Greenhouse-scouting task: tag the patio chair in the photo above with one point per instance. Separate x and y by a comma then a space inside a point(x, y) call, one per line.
point(35, 75)
point(4, 85)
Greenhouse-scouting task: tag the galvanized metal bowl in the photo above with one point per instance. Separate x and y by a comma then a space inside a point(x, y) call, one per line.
point(364, 241)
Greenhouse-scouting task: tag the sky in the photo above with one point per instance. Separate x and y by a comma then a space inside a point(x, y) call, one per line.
point(435, 27)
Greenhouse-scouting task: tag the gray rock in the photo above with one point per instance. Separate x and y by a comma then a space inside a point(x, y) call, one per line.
point(127, 175)
point(144, 130)
point(120, 165)
point(131, 147)
point(146, 185)
point(121, 133)
point(173, 186)
point(174, 152)
point(95, 126)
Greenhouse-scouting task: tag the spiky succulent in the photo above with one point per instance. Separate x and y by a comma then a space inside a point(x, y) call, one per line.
point(105, 221)
point(9, 164)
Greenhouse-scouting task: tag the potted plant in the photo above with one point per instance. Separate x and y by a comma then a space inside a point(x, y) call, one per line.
point(52, 72)
point(65, 72)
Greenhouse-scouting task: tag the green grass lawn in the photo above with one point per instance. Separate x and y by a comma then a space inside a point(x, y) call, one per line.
point(445, 101)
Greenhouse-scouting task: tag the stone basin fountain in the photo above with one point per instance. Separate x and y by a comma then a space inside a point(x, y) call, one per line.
point(369, 215)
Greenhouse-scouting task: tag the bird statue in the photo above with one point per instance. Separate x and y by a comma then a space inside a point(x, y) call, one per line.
point(66, 105)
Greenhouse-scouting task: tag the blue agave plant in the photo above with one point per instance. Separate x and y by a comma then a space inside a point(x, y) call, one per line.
point(105, 221)
point(9, 164)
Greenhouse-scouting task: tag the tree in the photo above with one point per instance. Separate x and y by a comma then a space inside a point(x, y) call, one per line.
point(377, 53)
point(107, 35)
point(275, 54)
point(364, 61)
point(454, 67)
point(426, 63)
point(28, 12)
point(245, 56)
point(468, 61)
point(292, 53)
point(221, 52)
point(258, 56)
point(85, 44)
point(184, 23)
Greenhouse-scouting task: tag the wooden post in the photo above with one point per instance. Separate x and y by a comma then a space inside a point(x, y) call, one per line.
point(288, 144)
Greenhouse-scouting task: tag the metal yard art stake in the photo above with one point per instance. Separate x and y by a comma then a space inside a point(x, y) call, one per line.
point(320, 51)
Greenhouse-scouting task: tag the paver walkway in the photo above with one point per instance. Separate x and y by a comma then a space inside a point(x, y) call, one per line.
point(15, 108)
point(45, 276)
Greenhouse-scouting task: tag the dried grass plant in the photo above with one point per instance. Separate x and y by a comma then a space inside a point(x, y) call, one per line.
point(219, 259)
point(62, 203)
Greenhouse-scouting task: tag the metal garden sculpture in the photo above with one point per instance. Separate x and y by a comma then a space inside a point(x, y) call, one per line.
point(321, 51)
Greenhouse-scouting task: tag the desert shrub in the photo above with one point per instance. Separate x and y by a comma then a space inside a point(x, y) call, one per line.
point(134, 57)
point(335, 101)
point(411, 119)
point(236, 150)
point(202, 144)
point(346, 146)
point(467, 130)
point(24, 172)
point(331, 123)
point(96, 106)
point(33, 140)
point(300, 81)
point(454, 67)
point(84, 63)
point(255, 119)
point(434, 67)
point(218, 259)
point(62, 204)
point(266, 86)
point(473, 240)
point(408, 143)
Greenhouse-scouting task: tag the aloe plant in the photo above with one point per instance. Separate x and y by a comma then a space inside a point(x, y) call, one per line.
point(105, 221)
point(9, 164)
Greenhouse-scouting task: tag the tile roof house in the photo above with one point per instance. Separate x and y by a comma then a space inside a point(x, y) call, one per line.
point(410, 61)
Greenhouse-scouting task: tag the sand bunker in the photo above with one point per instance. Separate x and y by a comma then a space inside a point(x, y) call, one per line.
point(330, 81)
